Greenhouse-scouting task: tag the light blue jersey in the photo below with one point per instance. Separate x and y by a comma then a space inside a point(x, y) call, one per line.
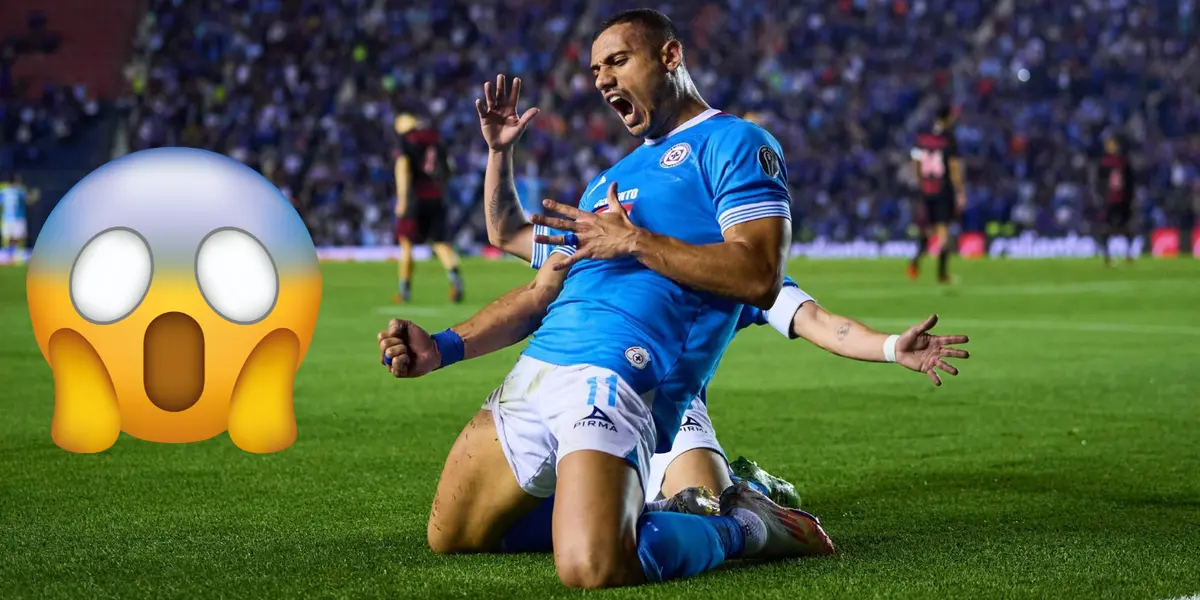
point(12, 198)
point(712, 173)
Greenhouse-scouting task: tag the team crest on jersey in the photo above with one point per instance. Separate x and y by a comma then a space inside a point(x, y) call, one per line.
point(675, 155)
point(638, 357)
point(597, 419)
point(769, 161)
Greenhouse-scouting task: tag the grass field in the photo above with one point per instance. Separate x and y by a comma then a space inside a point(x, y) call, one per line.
point(1063, 463)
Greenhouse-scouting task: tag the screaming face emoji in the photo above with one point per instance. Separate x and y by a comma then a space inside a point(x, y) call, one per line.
point(174, 294)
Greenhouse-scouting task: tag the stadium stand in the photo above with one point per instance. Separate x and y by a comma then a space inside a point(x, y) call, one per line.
point(306, 92)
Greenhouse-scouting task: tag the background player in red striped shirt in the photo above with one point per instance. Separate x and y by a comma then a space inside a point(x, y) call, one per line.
point(942, 185)
point(1115, 185)
point(422, 168)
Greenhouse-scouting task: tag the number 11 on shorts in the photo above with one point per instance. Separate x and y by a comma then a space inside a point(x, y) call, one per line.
point(610, 382)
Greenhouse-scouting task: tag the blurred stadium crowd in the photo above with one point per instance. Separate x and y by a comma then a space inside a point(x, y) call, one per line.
point(307, 91)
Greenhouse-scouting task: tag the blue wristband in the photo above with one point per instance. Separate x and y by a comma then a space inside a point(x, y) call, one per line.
point(450, 346)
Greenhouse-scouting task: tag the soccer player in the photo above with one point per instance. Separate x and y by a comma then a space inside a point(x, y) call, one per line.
point(696, 458)
point(14, 197)
point(422, 168)
point(623, 341)
point(1114, 176)
point(943, 187)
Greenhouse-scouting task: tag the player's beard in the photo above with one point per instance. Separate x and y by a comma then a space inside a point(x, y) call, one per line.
point(652, 118)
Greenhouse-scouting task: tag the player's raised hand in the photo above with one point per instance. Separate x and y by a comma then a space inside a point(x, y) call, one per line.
point(407, 350)
point(921, 351)
point(498, 118)
point(607, 235)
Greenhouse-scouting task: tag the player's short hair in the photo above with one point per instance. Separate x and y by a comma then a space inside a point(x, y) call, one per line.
point(944, 112)
point(658, 27)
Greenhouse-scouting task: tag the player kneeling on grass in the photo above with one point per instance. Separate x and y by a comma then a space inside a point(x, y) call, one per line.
point(697, 459)
point(622, 346)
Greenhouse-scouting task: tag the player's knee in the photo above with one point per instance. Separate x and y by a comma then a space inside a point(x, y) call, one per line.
point(591, 566)
point(446, 537)
point(444, 541)
point(590, 571)
point(440, 540)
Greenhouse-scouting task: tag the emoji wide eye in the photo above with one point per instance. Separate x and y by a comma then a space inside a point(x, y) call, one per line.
point(236, 276)
point(111, 276)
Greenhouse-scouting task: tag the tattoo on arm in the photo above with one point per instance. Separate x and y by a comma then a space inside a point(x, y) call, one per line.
point(504, 208)
point(842, 331)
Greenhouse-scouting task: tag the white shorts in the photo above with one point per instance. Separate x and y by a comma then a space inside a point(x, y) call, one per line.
point(696, 432)
point(544, 412)
point(13, 229)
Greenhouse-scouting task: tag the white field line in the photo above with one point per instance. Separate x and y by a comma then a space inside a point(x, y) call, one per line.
point(1034, 289)
point(961, 325)
point(955, 324)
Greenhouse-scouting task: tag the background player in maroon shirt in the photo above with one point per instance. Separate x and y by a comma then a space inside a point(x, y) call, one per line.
point(940, 177)
point(422, 169)
point(1114, 185)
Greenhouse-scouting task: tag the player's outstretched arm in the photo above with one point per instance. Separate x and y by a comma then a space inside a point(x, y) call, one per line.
point(916, 348)
point(502, 127)
point(747, 266)
point(409, 351)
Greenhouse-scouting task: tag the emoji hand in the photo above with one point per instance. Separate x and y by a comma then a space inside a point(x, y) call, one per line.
point(261, 414)
point(87, 417)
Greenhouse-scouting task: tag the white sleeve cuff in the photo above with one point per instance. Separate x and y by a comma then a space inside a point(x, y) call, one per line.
point(781, 313)
point(541, 252)
point(752, 212)
point(564, 250)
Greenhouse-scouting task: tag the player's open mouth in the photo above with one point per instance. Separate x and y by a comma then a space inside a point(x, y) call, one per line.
point(624, 108)
point(173, 361)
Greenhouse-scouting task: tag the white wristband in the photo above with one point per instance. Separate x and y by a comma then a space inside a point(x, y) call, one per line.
point(789, 300)
point(889, 348)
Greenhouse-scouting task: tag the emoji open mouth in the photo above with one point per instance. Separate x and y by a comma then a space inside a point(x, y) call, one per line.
point(173, 371)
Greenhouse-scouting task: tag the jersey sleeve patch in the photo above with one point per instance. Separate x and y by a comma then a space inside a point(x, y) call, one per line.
point(748, 177)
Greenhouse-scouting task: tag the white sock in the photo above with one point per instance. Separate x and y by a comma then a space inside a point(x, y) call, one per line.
point(753, 530)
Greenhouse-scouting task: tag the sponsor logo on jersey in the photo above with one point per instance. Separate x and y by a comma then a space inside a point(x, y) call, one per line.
point(597, 419)
point(626, 199)
point(675, 155)
point(769, 161)
point(691, 424)
point(638, 357)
